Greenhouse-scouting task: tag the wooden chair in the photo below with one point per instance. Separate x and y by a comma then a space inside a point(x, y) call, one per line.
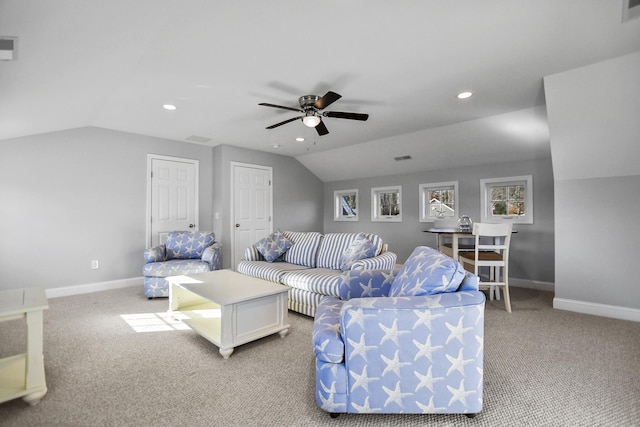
point(494, 255)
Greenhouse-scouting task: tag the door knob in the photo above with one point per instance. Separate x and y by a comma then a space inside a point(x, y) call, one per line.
point(192, 225)
point(237, 225)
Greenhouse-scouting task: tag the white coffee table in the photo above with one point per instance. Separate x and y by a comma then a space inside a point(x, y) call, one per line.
point(229, 308)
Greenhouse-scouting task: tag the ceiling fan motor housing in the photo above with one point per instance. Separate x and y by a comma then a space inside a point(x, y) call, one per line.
point(308, 101)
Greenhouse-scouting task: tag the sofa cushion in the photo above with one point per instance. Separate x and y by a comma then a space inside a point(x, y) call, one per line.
point(304, 249)
point(175, 267)
point(188, 244)
point(360, 248)
point(273, 246)
point(427, 272)
point(321, 281)
point(334, 244)
point(271, 271)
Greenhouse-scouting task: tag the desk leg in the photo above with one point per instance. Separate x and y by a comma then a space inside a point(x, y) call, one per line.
point(454, 245)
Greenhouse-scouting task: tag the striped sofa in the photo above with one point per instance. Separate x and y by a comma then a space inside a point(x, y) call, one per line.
point(312, 266)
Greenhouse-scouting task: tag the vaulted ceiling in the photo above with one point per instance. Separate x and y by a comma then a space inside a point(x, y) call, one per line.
point(114, 64)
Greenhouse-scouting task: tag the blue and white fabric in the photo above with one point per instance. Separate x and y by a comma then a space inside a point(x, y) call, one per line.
point(176, 257)
point(333, 246)
point(360, 248)
point(273, 246)
point(304, 249)
point(427, 272)
point(386, 261)
point(421, 354)
point(187, 244)
point(271, 271)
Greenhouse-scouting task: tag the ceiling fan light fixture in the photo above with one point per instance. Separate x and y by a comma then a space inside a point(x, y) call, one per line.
point(311, 120)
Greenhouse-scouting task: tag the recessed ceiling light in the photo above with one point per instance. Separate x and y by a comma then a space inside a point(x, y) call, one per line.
point(464, 95)
point(169, 107)
point(276, 146)
point(300, 139)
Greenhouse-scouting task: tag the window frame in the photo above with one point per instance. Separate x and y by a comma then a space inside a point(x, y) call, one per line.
point(485, 199)
point(424, 190)
point(337, 205)
point(375, 203)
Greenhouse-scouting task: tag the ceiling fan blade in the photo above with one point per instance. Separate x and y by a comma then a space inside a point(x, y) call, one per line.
point(344, 115)
point(328, 99)
point(280, 106)
point(283, 123)
point(321, 128)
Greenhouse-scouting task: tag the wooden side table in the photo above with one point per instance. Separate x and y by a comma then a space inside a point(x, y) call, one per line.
point(22, 375)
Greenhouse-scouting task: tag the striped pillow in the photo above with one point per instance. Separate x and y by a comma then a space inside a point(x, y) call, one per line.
point(304, 248)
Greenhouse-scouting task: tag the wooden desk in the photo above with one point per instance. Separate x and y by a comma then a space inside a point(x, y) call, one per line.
point(22, 375)
point(455, 235)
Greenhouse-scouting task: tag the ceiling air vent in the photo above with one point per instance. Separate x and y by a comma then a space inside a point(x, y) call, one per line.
point(198, 139)
point(630, 9)
point(8, 48)
point(399, 158)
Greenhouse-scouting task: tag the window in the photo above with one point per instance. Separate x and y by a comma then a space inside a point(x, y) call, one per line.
point(345, 205)
point(438, 201)
point(386, 204)
point(507, 199)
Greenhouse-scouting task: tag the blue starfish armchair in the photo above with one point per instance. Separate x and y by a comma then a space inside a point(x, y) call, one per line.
point(408, 340)
point(184, 252)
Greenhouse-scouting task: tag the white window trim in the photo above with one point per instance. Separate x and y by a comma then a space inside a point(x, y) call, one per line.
point(337, 205)
point(485, 199)
point(423, 196)
point(375, 201)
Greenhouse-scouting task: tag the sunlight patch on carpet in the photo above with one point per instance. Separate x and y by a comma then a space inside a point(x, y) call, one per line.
point(155, 322)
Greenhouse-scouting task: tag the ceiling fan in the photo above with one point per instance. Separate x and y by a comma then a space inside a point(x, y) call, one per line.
point(311, 106)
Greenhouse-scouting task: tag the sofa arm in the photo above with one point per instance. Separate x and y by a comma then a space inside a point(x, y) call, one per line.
point(155, 254)
point(327, 342)
point(212, 255)
point(252, 254)
point(384, 261)
point(366, 283)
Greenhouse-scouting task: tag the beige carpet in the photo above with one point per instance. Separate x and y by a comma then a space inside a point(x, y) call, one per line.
point(543, 367)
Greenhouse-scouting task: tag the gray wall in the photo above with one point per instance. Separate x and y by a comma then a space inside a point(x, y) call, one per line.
point(297, 193)
point(595, 145)
point(532, 249)
point(72, 196)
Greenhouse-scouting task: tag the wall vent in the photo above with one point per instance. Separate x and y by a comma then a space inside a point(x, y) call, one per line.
point(399, 158)
point(8, 48)
point(630, 9)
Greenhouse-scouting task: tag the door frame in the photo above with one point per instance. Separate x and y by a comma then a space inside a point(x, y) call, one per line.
point(196, 164)
point(232, 204)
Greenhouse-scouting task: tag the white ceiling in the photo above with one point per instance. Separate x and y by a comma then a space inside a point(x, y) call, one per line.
point(113, 64)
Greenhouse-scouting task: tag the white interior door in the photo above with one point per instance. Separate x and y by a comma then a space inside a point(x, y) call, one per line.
point(252, 206)
point(173, 197)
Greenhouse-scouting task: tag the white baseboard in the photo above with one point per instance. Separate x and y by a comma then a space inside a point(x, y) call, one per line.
point(596, 309)
point(94, 287)
point(532, 284)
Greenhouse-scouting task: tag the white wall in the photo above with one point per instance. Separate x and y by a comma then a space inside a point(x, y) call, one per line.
point(595, 144)
point(72, 196)
point(532, 247)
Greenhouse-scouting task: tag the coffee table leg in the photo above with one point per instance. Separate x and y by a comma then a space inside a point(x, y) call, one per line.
point(226, 352)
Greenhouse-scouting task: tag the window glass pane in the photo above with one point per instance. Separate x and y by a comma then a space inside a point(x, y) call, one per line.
point(389, 205)
point(348, 204)
point(498, 208)
point(498, 193)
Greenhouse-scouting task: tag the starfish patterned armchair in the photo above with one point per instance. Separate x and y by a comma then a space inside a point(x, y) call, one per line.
point(408, 340)
point(184, 252)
